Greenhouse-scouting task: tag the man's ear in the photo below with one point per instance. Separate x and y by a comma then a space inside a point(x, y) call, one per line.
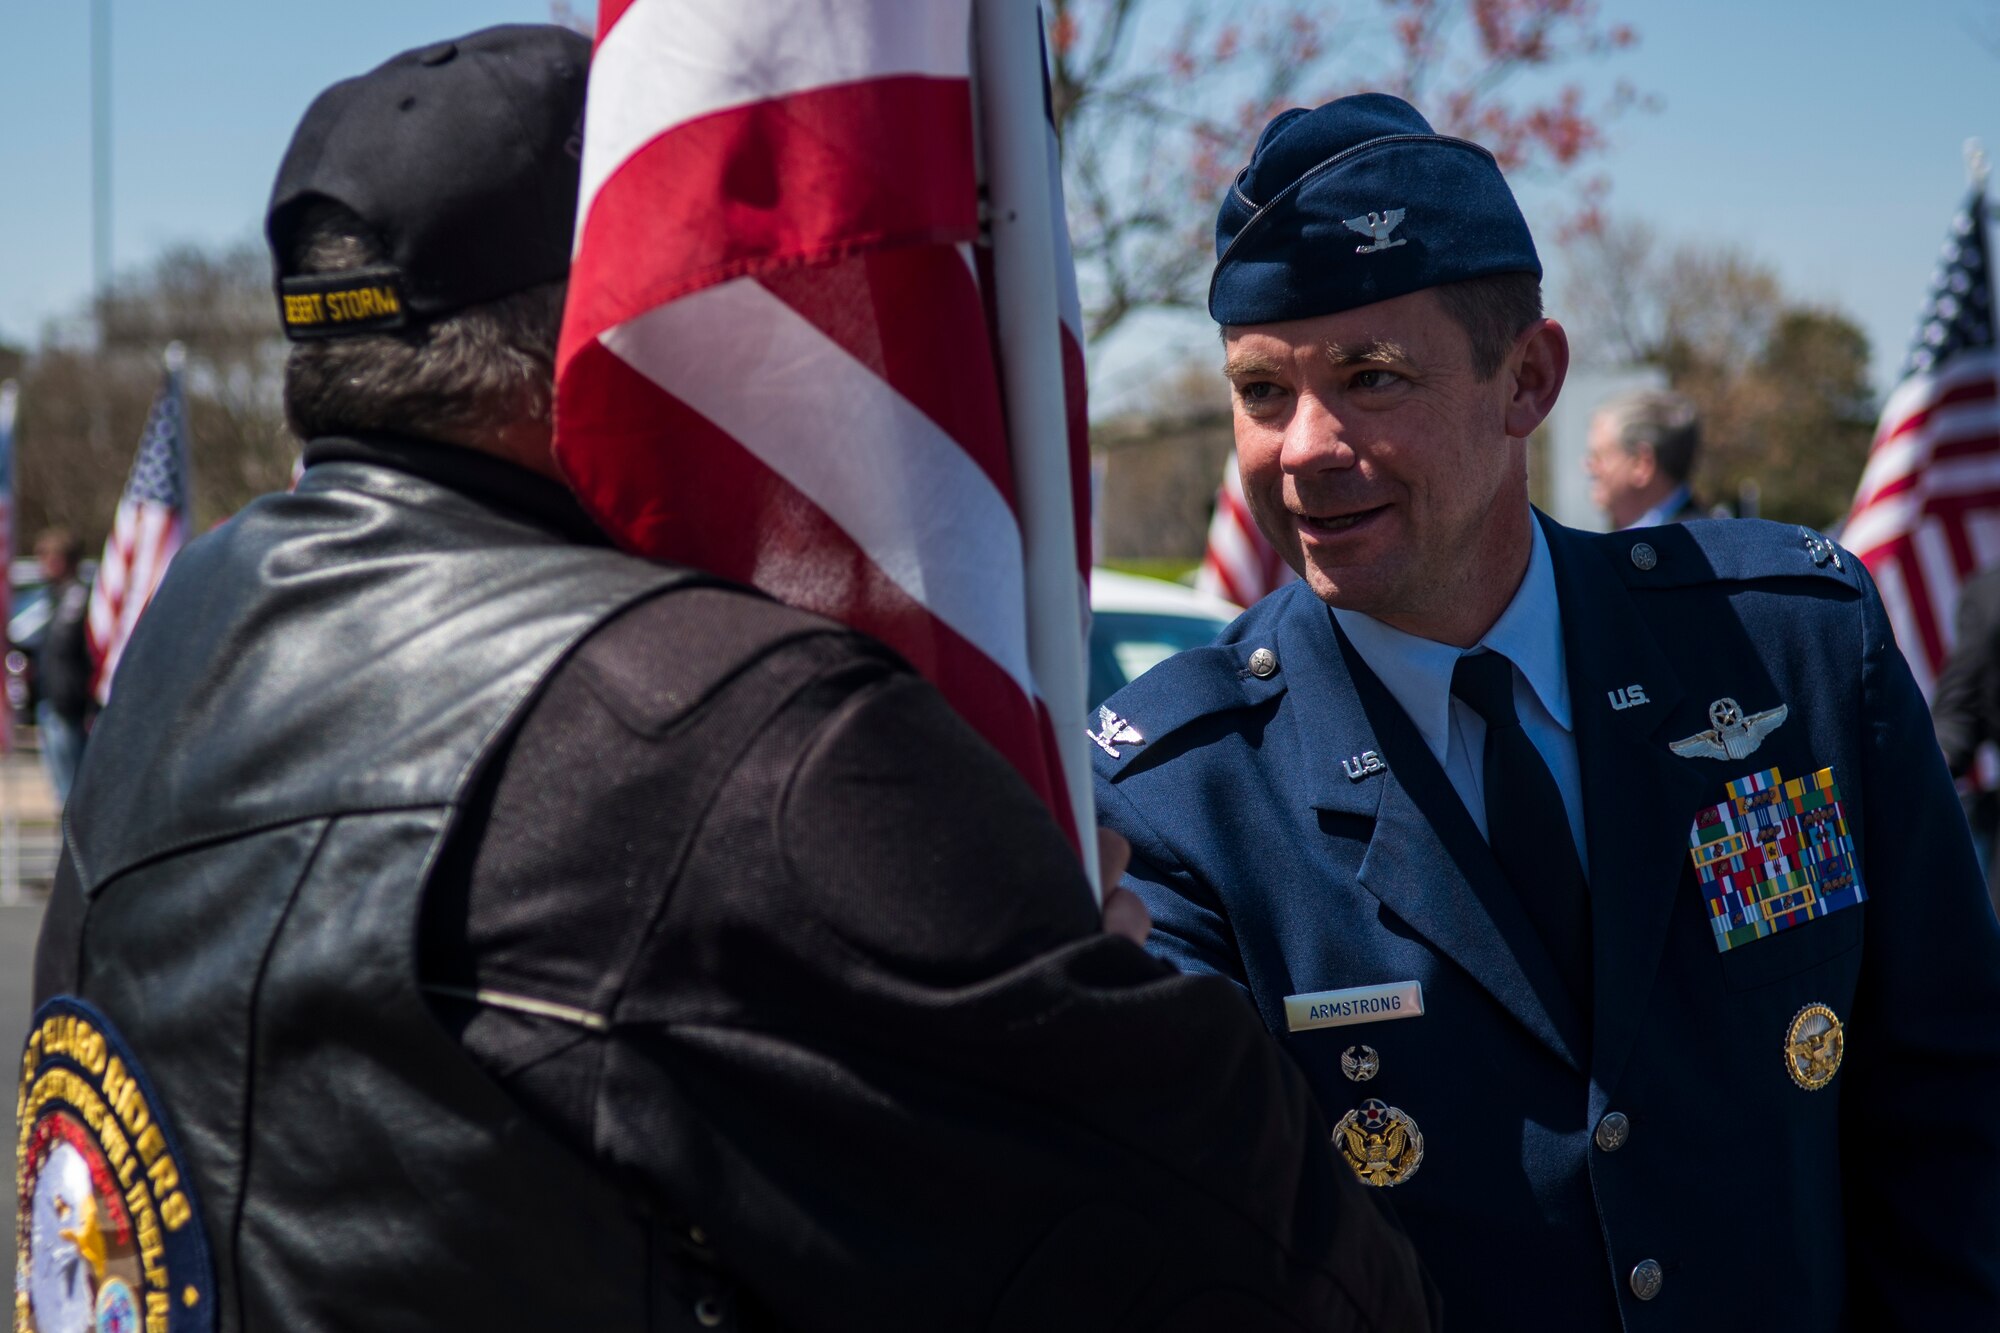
point(1535, 371)
point(1645, 466)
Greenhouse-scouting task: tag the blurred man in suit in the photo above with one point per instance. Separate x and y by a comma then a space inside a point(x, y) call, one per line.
point(1640, 455)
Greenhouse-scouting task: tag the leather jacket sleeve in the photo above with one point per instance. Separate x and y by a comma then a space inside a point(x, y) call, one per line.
point(868, 1042)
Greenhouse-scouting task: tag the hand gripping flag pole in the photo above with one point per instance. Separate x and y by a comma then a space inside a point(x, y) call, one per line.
point(1014, 131)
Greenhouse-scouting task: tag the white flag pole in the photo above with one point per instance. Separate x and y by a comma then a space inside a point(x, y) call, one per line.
point(1007, 76)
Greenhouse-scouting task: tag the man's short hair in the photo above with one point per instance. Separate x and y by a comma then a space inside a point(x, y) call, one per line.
point(1492, 310)
point(467, 373)
point(1666, 421)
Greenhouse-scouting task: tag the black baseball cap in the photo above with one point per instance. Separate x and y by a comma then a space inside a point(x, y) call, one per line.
point(462, 156)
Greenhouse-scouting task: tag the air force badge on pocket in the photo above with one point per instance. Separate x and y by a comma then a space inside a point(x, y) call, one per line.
point(1775, 855)
point(108, 1235)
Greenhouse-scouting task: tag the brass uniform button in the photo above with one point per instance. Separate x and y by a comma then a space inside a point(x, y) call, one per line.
point(1644, 556)
point(1613, 1131)
point(1263, 664)
point(1647, 1279)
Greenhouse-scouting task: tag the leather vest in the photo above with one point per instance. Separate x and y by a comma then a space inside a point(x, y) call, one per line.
point(298, 721)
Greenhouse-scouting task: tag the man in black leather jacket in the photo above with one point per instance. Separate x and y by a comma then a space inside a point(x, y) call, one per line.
point(464, 925)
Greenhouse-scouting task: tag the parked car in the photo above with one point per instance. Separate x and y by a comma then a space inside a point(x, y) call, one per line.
point(1137, 623)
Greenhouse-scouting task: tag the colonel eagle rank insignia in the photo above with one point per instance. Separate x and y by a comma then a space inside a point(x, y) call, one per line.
point(1733, 736)
point(1113, 731)
point(1377, 228)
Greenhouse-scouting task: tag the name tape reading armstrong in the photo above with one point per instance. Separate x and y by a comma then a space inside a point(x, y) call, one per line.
point(1356, 1004)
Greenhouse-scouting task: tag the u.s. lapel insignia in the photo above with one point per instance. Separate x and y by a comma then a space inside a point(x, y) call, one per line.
point(1732, 735)
point(1364, 765)
point(1360, 1063)
point(1114, 731)
point(1629, 697)
point(1381, 1143)
point(1814, 1043)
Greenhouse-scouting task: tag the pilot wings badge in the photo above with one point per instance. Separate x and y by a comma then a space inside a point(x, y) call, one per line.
point(1376, 227)
point(1733, 736)
point(1114, 731)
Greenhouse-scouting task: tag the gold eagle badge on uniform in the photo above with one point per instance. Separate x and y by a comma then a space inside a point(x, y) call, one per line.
point(108, 1234)
point(1815, 1041)
point(1381, 1143)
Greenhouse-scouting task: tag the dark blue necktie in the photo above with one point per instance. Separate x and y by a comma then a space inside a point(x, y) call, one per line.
point(1527, 825)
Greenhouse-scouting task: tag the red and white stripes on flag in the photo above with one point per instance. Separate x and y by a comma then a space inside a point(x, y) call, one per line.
point(1926, 516)
point(150, 528)
point(1239, 564)
point(777, 362)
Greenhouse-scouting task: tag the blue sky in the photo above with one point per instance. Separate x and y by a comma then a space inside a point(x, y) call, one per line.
point(1823, 137)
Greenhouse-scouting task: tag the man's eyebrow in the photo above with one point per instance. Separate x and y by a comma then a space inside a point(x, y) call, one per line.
point(1378, 351)
point(1250, 365)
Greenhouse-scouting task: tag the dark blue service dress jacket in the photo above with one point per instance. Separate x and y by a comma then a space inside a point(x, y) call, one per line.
point(1653, 1162)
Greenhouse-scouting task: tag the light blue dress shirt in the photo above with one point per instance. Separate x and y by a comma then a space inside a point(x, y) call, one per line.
point(1529, 634)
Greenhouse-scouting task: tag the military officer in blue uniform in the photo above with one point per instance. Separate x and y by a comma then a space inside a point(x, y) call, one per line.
point(1609, 888)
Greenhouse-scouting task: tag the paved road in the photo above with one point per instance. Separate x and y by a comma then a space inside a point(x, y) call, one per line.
point(18, 927)
point(28, 860)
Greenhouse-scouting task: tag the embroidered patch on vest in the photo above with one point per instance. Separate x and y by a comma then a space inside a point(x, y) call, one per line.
point(108, 1236)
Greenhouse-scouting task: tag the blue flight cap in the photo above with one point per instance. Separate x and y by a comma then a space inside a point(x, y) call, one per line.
point(1356, 202)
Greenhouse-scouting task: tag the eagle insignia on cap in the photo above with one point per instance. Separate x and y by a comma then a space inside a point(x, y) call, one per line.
point(1377, 226)
point(1734, 736)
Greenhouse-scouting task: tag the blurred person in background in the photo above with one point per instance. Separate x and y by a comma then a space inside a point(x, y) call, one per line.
point(1640, 455)
point(1966, 711)
point(62, 662)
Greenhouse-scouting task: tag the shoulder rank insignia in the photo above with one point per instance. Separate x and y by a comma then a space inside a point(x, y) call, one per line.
point(1114, 731)
point(109, 1236)
point(1733, 735)
point(1814, 1043)
point(1381, 1143)
point(1775, 855)
point(1821, 549)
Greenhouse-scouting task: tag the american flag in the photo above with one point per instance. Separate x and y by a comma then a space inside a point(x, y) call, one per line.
point(1239, 564)
point(1927, 513)
point(151, 527)
point(778, 361)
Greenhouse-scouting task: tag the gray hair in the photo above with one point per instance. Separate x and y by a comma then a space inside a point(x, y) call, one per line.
point(1660, 418)
point(454, 378)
